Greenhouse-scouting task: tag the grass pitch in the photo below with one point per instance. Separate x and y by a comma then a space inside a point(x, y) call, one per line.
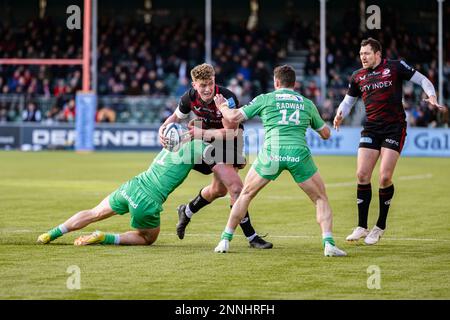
point(41, 190)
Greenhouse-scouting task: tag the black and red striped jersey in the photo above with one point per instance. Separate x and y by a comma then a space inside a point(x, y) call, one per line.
point(381, 91)
point(207, 112)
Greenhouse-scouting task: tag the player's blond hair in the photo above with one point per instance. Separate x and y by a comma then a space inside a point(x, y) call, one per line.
point(202, 72)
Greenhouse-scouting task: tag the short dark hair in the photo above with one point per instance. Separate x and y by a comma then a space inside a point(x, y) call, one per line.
point(286, 75)
point(374, 44)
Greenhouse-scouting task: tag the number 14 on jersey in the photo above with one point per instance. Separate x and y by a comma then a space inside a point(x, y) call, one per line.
point(294, 117)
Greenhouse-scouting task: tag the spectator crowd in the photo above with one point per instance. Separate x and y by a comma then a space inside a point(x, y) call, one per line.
point(138, 59)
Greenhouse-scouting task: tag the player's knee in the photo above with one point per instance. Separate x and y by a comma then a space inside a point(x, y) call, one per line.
point(323, 196)
point(150, 238)
point(319, 197)
point(235, 190)
point(218, 192)
point(94, 214)
point(385, 180)
point(363, 177)
point(248, 193)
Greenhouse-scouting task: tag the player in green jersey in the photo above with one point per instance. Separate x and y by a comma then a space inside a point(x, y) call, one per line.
point(142, 196)
point(285, 115)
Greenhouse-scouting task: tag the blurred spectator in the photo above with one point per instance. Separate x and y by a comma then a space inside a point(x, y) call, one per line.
point(244, 70)
point(106, 114)
point(235, 87)
point(146, 90)
point(134, 89)
point(262, 76)
point(165, 113)
point(3, 114)
point(31, 113)
point(246, 94)
point(69, 111)
point(60, 88)
point(410, 120)
point(54, 115)
point(425, 115)
point(312, 65)
point(160, 89)
point(183, 86)
point(13, 114)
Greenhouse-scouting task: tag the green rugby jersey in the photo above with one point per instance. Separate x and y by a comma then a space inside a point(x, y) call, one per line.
point(169, 169)
point(285, 115)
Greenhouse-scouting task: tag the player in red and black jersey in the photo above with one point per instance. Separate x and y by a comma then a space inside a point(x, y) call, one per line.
point(379, 82)
point(206, 112)
point(228, 155)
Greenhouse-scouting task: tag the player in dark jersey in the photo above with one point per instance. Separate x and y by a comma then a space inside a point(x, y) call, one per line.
point(216, 130)
point(379, 82)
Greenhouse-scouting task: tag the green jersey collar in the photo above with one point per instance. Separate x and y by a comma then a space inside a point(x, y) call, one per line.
point(287, 89)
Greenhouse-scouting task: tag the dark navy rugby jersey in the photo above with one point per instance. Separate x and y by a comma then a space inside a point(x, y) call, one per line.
point(381, 91)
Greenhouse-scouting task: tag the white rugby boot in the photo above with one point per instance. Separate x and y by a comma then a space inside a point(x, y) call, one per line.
point(374, 236)
point(333, 251)
point(358, 233)
point(223, 246)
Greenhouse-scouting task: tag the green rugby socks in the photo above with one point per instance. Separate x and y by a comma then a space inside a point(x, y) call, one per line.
point(57, 232)
point(111, 239)
point(227, 234)
point(327, 237)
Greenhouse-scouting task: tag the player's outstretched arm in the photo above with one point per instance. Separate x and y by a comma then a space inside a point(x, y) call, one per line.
point(428, 87)
point(344, 109)
point(433, 101)
point(338, 120)
point(232, 115)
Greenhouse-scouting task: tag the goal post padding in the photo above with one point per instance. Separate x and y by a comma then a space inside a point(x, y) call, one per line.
point(85, 109)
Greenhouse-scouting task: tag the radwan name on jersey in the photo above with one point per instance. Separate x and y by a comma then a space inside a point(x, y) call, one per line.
point(295, 102)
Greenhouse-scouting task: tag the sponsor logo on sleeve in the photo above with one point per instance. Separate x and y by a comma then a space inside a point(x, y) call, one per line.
point(231, 103)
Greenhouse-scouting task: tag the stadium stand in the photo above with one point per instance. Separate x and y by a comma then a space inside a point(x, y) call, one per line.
point(143, 68)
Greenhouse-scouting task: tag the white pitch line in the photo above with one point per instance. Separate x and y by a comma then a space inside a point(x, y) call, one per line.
point(307, 237)
point(417, 177)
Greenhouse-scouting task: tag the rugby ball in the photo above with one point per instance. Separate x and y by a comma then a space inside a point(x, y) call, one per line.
point(174, 133)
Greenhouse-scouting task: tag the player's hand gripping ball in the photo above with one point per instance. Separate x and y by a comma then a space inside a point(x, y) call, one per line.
point(175, 134)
